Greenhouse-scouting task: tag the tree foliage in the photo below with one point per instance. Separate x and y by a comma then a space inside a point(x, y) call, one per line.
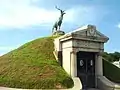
point(111, 57)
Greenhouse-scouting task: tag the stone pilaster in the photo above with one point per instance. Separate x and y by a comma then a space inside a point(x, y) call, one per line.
point(73, 64)
point(99, 65)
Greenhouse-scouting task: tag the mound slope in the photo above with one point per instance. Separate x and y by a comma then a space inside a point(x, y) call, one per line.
point(33, 65)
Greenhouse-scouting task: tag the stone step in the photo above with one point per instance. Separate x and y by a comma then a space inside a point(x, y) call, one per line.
point(91, 89)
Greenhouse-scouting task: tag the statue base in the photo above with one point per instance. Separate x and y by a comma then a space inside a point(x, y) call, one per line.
point(58, 33)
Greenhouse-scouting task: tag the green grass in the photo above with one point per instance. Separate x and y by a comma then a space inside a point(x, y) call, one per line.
point(111, 71)
point(33, 65)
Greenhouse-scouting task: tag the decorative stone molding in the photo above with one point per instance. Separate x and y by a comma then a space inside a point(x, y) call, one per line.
point(91, 31)
point(74, 50)
point(100, 53)
point(83, 33)
point(88, 44)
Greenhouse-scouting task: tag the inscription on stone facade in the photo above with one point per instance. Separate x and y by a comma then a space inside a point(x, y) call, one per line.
point(88, 44)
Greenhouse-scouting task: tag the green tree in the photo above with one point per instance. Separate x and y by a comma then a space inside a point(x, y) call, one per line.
point(111, 57)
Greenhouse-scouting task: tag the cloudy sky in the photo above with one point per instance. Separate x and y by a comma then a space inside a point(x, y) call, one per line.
point(25, 20)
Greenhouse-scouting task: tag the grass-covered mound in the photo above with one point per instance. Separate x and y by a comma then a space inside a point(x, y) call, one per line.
point(33, 65)
point(111, 71)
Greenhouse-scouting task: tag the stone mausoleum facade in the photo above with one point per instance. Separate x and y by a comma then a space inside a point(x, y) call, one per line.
point(79, 53)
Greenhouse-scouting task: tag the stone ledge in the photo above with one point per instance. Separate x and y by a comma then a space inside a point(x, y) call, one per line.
point(59, 33)
point(55, 55)
point(105, 84)
point(76, 80)
point(77, 84)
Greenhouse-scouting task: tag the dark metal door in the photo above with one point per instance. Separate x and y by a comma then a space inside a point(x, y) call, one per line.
point(86, 68)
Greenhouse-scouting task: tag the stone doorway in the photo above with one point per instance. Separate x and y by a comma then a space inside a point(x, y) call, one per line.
point(86, 68)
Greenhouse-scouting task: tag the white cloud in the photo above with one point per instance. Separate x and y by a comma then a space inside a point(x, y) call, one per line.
point(118, 25)
point(23, 13)
point(87, 14)
point(6, 49)
point(2, 53)
point(20, 13)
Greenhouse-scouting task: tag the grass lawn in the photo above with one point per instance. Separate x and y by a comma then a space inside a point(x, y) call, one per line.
point(33, 65)
point(111, 71)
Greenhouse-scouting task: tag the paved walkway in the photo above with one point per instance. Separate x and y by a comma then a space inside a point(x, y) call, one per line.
point(4, 88)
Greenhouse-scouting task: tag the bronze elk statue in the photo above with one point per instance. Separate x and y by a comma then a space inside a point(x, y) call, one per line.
point(58, 23)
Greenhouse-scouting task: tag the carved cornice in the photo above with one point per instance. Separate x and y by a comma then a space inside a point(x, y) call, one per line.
point(88, 33)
